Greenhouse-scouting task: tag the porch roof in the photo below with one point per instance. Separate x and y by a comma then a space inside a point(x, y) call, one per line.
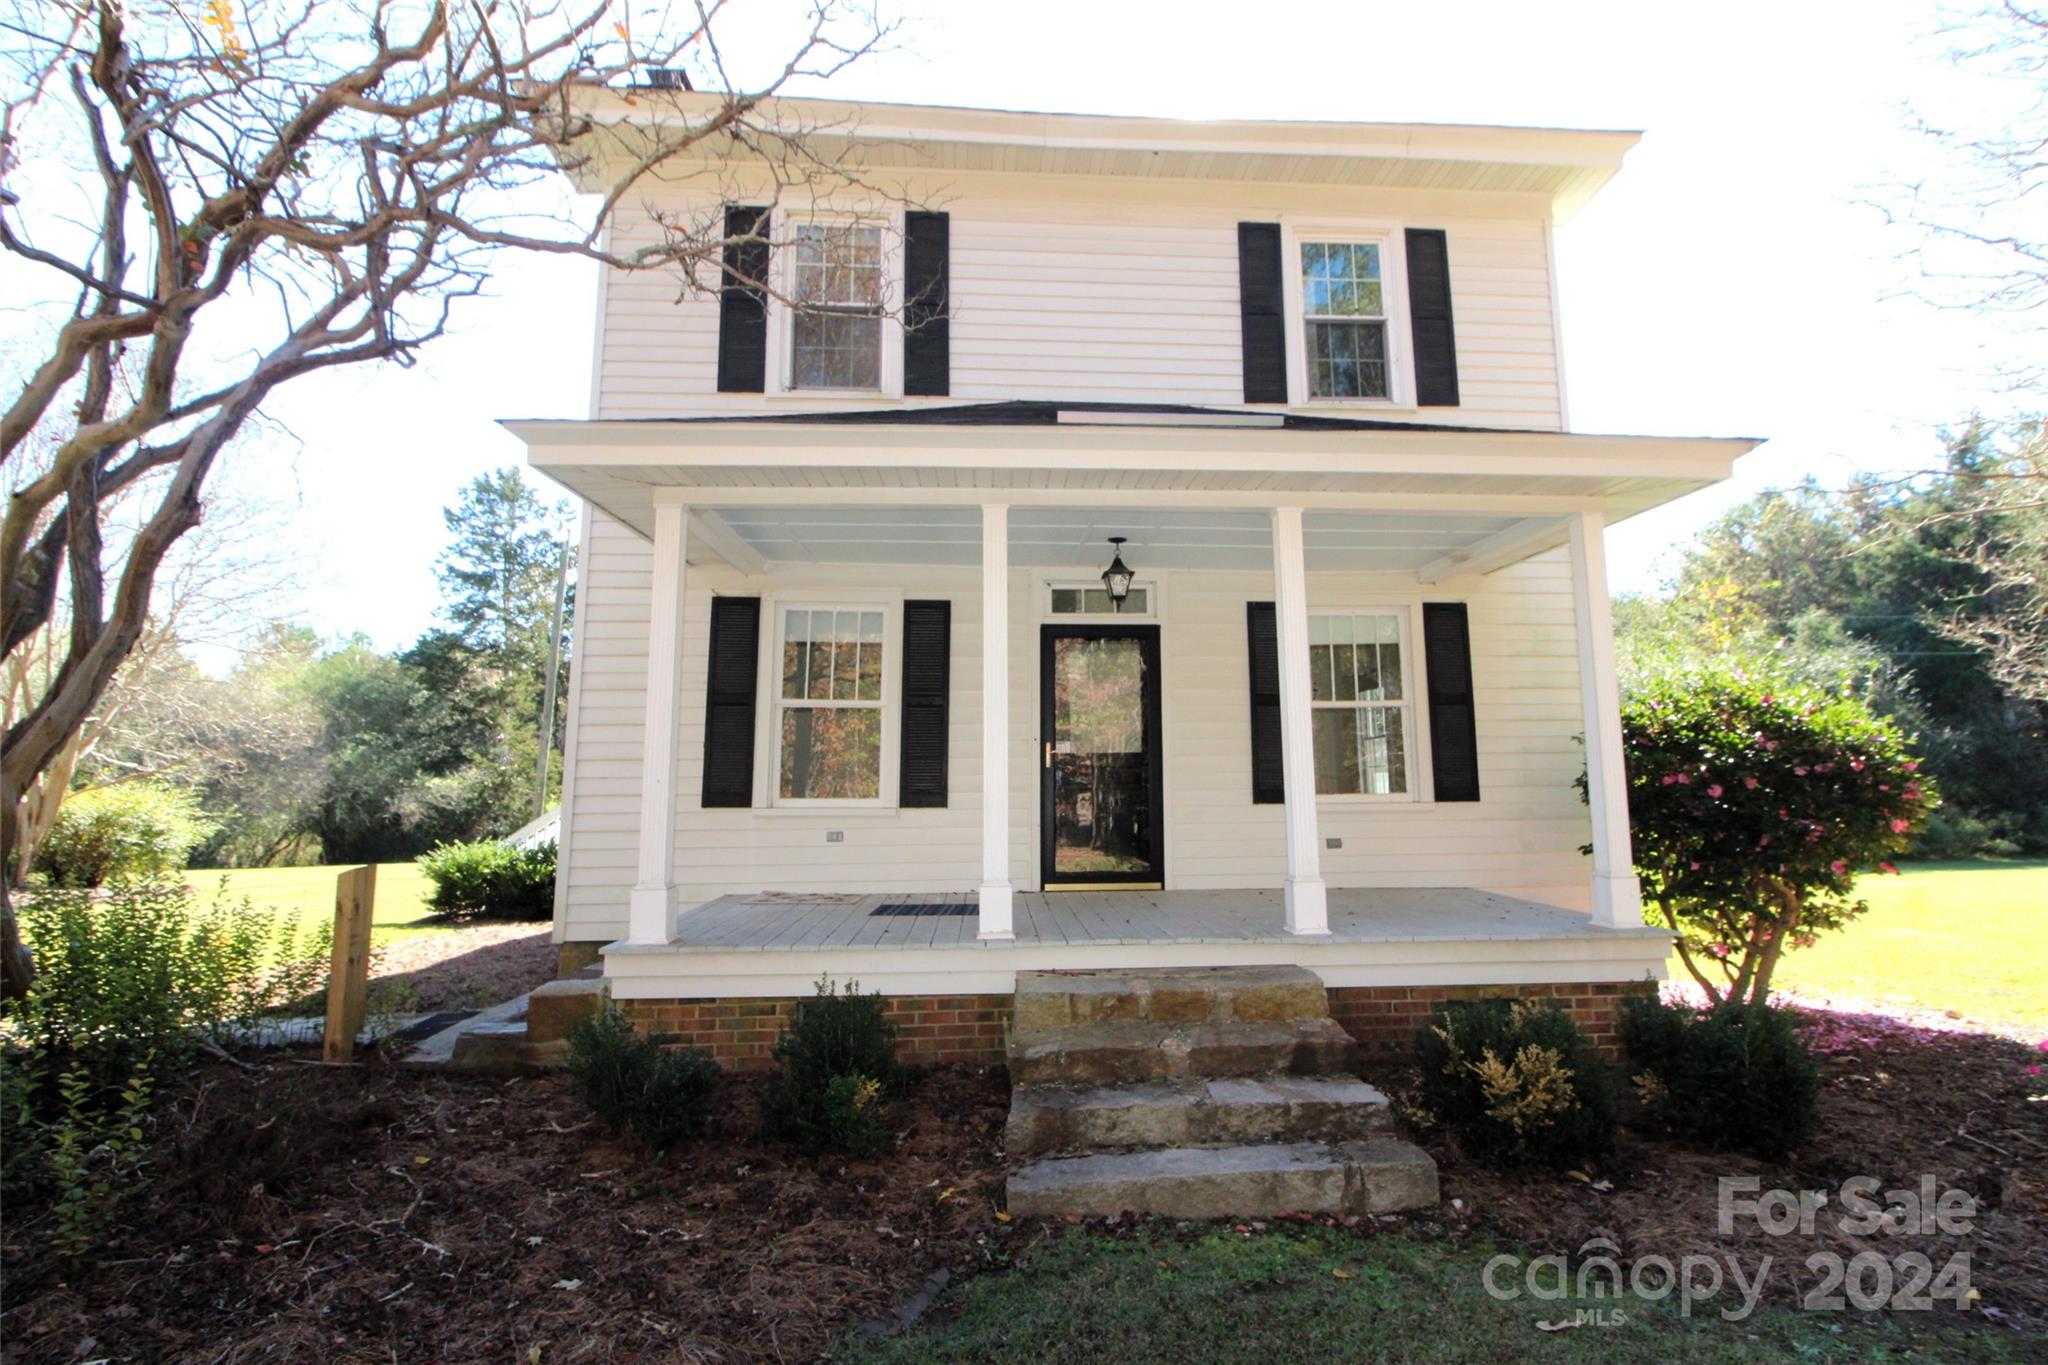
point(897, 485)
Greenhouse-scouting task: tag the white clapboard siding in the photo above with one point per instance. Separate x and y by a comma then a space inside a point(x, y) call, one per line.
point(1522, 838)
point(1113, 292)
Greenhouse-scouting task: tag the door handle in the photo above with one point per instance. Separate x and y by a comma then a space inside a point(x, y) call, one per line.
point(1048, 753)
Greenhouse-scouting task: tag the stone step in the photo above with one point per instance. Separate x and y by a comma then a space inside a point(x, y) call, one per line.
point(506, 1049)
point(1105, 1054)
point(1193, 1112)
point(1173, 995)
point(1376, 1175)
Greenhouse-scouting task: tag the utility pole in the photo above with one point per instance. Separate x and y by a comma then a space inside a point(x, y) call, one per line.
point(547, 706)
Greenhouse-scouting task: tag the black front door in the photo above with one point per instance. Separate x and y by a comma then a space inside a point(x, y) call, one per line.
point(1099, 811)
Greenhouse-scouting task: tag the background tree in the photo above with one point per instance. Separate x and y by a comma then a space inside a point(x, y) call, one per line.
point(284, 189)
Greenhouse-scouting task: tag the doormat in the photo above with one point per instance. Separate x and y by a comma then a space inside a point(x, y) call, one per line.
point(925, 908)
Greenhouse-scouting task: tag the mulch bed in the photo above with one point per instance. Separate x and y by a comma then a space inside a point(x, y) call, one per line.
point(306, 1213)
point(298, 1212)
point(1899, 1101)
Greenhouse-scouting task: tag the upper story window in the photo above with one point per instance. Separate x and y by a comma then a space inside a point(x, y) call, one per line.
point(1360, 702)
point(1344, 320)
point(836, 282)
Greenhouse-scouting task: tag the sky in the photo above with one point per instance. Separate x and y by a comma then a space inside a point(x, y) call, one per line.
point(1733, 280)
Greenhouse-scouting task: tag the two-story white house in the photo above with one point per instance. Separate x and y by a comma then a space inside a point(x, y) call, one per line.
point(1164, 545)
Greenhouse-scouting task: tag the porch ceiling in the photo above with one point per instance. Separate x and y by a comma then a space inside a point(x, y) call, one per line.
point(1191, 488)
point(1056, 537)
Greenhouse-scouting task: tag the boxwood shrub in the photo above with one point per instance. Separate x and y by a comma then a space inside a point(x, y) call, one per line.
point(1735, 1077)
point(633, 1084)
point(836, 1068)
point(1516, 1083)
point(490, 879)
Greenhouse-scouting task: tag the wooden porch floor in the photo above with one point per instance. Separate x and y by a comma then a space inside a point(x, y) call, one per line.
point(791, 923)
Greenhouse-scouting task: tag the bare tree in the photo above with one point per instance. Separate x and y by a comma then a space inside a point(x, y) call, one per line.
point(1981, 244)
point(305, 185)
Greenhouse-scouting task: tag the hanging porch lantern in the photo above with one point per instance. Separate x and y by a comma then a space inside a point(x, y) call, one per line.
point(1117, 577)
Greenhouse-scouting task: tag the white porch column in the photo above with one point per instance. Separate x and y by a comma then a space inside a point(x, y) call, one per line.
point(996, 892)
point(651, 907)
point(1617, 895)
point(1308, 909)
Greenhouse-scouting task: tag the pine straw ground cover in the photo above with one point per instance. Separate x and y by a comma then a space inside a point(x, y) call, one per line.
point(298, 1213)
point(302, 1213)
point(1898, 1102)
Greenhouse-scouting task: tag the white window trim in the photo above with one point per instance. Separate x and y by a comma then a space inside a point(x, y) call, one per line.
point(781, 334)
point(1150, 616)
point(1389, 237)
point(768, 732)
point(1421, 791)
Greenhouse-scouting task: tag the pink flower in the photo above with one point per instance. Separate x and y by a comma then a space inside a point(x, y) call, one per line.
point(1799, 772)
point(1750, 783)
point(1856, 765)
point(1912, 765)
point(2033, 1071)
point(1718, 949)
point(1715, 790)
point(2042, 1046)
point(1770, 746)
point(1901, 826)
point(1683, 780)
point(1805, 940)
point(1888, 869)
point(1670, 778)
point(1884, 786)
point(1838, 867)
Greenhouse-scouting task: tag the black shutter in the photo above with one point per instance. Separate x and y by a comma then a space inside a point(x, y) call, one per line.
point(729, 701)
point(743, 304)
point(1260, 302)
point(927, 671)
point(1429, 318)
point(1453, 743)
point(1262, 629)
point(926, 329)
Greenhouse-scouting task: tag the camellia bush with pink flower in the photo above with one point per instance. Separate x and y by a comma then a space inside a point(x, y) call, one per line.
point(1755, 805)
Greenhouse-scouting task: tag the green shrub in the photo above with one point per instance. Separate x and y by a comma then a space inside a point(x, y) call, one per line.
point(1755, 805)
point(1516, 1083)
point(128, 984)
point(141, 969)
point(837, 1066)
point(632, 1083)
point(129, 831)
point(490, 879)
point(1735, 1077)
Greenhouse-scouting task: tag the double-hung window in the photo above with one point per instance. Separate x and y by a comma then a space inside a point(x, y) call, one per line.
point(1344, 319)
point(828, 709)
point(835, 327)
point(1362, 713)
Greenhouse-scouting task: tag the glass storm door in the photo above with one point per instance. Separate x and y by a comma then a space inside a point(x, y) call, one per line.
point(1099, 760)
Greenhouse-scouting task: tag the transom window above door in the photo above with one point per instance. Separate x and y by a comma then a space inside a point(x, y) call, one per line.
point(1359, 697)
point(829, 706)
point(1344, 319)
point(836, 284)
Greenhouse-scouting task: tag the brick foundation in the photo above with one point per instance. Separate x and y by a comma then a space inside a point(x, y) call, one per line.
point(1385, 1019)
point(741, 1033)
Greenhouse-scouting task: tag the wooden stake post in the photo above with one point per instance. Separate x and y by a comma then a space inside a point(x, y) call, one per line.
point(348, 984)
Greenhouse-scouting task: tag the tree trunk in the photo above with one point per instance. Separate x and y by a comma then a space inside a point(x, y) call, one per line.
point(17, 964)
point(1767, 961)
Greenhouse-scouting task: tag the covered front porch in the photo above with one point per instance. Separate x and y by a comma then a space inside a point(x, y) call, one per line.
point(766, 945)
point(1255, 857)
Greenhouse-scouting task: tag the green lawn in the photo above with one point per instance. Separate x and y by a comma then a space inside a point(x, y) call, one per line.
point(1969, 937)
point(1328, 1295)
point(308, 893)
